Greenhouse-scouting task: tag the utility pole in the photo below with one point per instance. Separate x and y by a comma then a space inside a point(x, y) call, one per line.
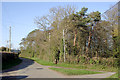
point(64, 43)
point(49, 46)
point(7, 46)
point(49, 42)
point(49, 36)
point(10, 39)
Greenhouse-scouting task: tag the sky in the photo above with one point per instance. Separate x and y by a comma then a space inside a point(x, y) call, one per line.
point(20, 16)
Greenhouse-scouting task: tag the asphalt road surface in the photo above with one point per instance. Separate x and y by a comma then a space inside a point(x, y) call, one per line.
point(30, 69)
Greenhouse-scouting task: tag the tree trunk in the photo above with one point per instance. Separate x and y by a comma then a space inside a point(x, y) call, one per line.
point(75, 38)
point(89, 41)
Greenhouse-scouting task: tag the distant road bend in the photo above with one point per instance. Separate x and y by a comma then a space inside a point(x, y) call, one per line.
point(31, 69)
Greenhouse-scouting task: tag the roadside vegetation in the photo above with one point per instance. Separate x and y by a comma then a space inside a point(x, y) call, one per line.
point(74, 72)
point(11, 64)
point(114, 76)
point(77, 39)
point(76, 66)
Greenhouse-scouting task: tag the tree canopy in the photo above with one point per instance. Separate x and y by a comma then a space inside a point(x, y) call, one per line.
point(85, 34)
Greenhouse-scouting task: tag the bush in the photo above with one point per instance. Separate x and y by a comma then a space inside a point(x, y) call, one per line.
point(82, 59)
point(2, 48)
point(92, 61)
point(108, 61)
point(70, 59)
point(97, 62)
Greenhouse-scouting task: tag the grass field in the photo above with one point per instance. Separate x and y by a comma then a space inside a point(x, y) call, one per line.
point(74, 71)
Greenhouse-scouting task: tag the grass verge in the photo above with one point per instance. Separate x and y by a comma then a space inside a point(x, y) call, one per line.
point(10, 64)
point(76, 66)
point(74, 71)
point(114, 76)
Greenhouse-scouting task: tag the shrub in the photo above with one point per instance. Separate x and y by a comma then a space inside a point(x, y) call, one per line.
point(82, 59)
point(92, 61)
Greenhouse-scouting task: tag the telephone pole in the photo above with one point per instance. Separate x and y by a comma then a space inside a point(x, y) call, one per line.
point(64, 43)
point(10, 39)
point(49, 42)
point(49, 45)
point(7, 46)
point(49, 36)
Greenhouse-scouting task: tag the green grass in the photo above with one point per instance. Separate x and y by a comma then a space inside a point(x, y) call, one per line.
point(114, 76)
point(10, 64)
point(43, 62)
point(66, 65)
point(74, 71)
point(76, 66)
